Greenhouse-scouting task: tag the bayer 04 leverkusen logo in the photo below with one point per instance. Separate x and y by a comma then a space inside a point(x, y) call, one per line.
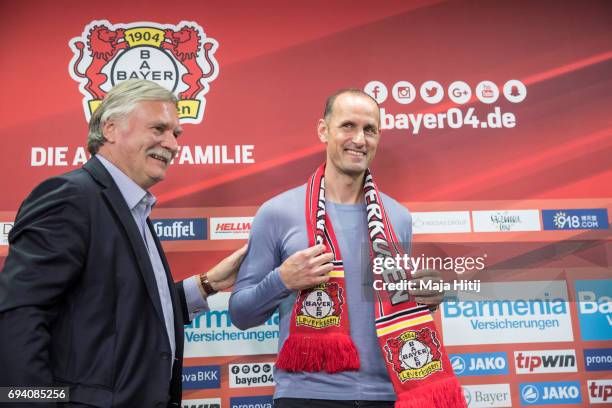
point(414, 355)
point(178, 57)
point(319, 307)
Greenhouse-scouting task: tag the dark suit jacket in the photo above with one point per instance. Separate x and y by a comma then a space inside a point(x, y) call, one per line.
point(79, 304)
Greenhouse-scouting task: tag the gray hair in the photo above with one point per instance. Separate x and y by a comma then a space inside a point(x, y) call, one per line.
point(119, 102)
point(329, 103)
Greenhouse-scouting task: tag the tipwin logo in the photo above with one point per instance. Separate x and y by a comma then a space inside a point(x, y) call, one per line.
point(177, 57)
point(600, 391)
point(545, 361)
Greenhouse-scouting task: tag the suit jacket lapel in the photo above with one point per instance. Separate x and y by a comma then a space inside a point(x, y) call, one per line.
point(117, 203)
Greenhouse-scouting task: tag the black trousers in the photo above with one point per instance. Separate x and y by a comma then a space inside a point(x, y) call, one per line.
point(319, 403)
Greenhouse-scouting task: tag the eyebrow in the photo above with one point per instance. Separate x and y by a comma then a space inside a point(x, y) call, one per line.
point(177, 131)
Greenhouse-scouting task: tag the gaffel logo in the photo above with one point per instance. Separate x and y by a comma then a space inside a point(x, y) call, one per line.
point(181, 229)
point(600, 391)
point(414, 354)
point(177, 57)
point(230, 227)
point(320, 306)
point(545, 361)
point(251, 375)
point(479, 364)
point(547, 393)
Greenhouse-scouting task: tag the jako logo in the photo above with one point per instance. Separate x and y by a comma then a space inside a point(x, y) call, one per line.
point(600, 391)
point(598, 359)
point(594, 308)
point(545, 361)
point(177, 57)
point(199, 377)
point(547, 393)
point(184, 229)
point(251, 402)
point(479, 363)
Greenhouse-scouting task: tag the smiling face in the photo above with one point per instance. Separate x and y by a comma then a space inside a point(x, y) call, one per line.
point(143, 143)
point(351, 133)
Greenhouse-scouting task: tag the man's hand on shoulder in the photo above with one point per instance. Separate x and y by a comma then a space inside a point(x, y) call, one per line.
point(431, 298)
point(223, 275)
point(307, 268)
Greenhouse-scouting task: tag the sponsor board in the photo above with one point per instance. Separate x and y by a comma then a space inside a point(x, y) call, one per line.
point(251, 375)
point(201, 403)
point(575, 219)
point(212, 334)
point(600, 391)
point(180, 229)
point(508, 312)
point(230, 227)
point(545, 361)
point(506, 220)
point(594, 299)
point(487, 395)
point(550, 393)
point(441, 222)
point(479, 363)
point(5, 228)
point(598, 359)
point(200, 377)
point(264, 401)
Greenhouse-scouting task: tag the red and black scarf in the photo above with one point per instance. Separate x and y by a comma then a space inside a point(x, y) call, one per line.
point(319, 337)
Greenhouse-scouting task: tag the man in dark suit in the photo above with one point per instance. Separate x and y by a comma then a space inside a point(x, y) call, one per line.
point(86, 295)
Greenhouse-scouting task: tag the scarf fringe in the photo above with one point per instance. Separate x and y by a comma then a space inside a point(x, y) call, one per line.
point(332, 353)
point(445, 393)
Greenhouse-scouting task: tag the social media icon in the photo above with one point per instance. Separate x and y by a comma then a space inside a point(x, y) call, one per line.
point(459, 92)
point(403, 92)
point(487, 92)
point(432, 92)
point(376, 90)
point(515, 91)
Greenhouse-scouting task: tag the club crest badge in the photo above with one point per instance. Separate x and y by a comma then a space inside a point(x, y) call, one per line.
point(414, 354)
point(320, 307)
point(177, 57)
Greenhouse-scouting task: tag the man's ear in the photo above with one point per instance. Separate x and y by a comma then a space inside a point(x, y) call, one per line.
point(109, 130)
point(322, 130)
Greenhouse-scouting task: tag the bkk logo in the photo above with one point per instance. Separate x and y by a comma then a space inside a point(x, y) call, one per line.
point(594, 299)
point(178, 57)
point(320, 306)
point(198, 377)
point(414, 354)
point(550, 393)
point(479, 364)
